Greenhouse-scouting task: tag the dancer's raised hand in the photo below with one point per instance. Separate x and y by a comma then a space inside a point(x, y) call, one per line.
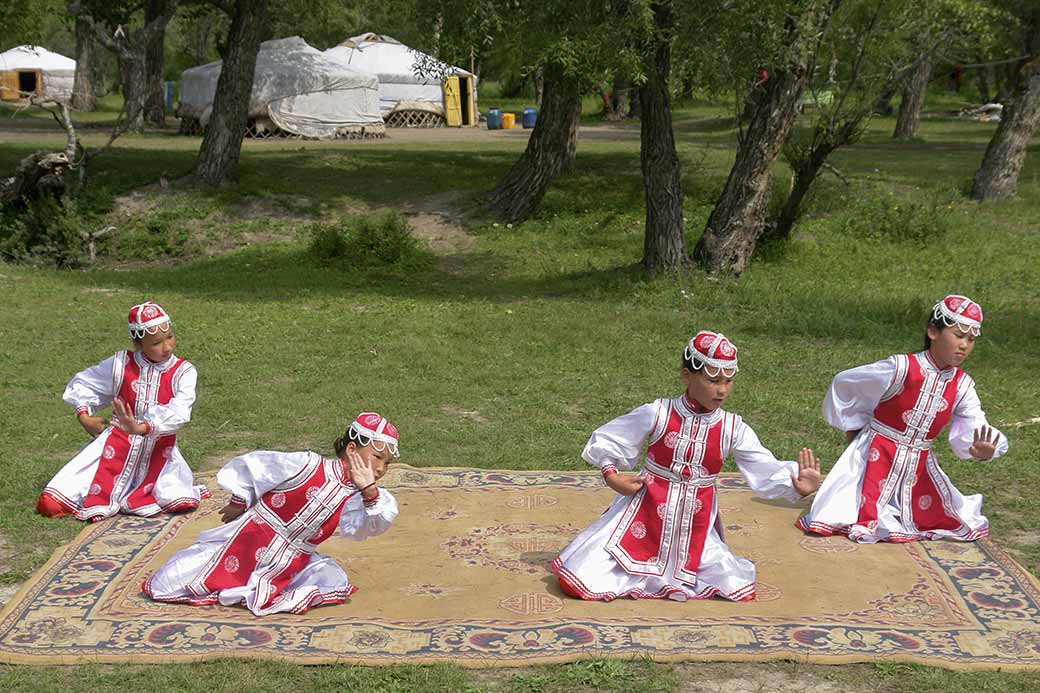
point(808, 479)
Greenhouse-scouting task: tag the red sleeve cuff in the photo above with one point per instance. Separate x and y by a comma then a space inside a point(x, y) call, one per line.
point(607, 470)
point(369, 502)
point(235, 500)
point(148, 426)
point(82, 410)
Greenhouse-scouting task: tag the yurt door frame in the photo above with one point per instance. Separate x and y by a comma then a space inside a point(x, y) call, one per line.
point(458, 100)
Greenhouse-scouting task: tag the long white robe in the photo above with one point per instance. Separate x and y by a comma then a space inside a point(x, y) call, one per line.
point(587, 561)
point(94, 389)
point(849, 405)
point(321, 581)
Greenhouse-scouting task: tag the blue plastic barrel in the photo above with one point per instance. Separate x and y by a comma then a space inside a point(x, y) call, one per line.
point(530, 117)
point(494, 119)
point(168, 92)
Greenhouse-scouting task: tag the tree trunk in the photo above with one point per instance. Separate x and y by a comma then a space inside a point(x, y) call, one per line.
point(130, 48)
point(83, 95)
point(883, 104)
point(997, 177)
point(635, 108)
point(982, 78)
point(222, 141)
point(133, 79)
point(664, 245)
point(913, 98)
point(550, 150)
point(738, 219)
point(620, 101)
point(155, 96)
point(804, 177)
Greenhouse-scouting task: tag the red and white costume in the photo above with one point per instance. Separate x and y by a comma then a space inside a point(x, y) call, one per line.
point(665, 541)
point(887, 485)
point(120, 473)
point(267, 558)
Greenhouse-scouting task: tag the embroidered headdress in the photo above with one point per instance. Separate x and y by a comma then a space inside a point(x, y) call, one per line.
point(147, 318)
point(960, 311)
point(713, 352)
point(381, 433)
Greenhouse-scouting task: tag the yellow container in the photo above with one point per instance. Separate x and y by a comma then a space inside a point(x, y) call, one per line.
point(508, 121)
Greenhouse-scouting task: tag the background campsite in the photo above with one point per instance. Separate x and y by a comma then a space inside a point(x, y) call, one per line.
point(500, 293)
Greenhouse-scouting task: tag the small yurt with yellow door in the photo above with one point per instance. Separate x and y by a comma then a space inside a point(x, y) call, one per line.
point(35, 71)
point(415, 89)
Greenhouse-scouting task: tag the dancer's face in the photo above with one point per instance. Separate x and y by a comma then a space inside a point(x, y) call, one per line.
point(159, 346)
point(709, 391)
point(379, 459)
point(950, 346)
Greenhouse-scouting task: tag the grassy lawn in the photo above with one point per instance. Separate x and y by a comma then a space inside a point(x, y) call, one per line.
point(546, 330)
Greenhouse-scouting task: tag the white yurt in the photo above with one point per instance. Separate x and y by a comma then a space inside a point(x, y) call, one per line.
point(296, 89)
point(35, 70)
point(415, 89)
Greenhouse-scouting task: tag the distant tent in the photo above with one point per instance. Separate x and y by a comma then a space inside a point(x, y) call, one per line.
point(296, 89)
point(415, 89)
point(34, 70)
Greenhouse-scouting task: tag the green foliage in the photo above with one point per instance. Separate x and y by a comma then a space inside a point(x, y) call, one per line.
point(889, 217)
point(371, 240)
point(49, 231)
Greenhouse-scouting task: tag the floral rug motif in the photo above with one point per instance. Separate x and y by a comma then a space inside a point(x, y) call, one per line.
point(463, 577)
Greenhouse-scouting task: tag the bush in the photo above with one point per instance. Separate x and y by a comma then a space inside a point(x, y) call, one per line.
point(381, 239)
point(893, 218)
point(48, 231)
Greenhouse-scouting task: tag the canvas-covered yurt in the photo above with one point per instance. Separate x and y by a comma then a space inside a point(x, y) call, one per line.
point(415, 89)
point(297, 90)
point(35, 71)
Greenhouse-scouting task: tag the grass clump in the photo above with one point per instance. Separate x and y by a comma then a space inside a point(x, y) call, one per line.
point(382, 239)
point(890, 217)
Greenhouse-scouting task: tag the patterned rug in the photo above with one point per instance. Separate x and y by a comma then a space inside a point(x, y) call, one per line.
point(463, 577)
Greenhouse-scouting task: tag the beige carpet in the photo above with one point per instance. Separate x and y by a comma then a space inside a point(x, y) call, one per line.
point(463, 577)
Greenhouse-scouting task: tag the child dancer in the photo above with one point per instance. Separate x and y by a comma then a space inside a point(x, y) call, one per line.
point(284, 504)
point(133, 466)
point(887, 486)
point(662, 536)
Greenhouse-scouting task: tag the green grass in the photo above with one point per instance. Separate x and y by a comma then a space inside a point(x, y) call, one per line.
point(547, 329)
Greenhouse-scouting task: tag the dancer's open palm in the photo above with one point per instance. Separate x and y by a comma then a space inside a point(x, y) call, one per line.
point(359, 471)
point(983, 443)
point(808, 479)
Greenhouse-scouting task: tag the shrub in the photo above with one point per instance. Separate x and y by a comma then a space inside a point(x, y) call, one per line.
point(381, 239)
point(48, 231)
point(894, 218)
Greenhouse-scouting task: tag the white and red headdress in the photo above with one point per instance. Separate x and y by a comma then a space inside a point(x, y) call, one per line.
point(147, 318)
point(379, 431)
point(960, 311)
point(712, 352)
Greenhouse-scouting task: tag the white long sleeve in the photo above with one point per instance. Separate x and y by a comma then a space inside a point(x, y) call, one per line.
point(250, 476)
point(168, 418)
point(968, 416)
point(855, 393)
point(91, 388)
point(358, 522)
point(620, 442)
point(767, 476)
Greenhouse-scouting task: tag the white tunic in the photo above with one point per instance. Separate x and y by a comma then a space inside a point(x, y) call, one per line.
point(849, 406)
point(587, 563)
point(94, 389)
point(320, 580)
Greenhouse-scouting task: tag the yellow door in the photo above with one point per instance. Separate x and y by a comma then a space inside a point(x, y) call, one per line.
point(9, 85)
point(452, 102)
